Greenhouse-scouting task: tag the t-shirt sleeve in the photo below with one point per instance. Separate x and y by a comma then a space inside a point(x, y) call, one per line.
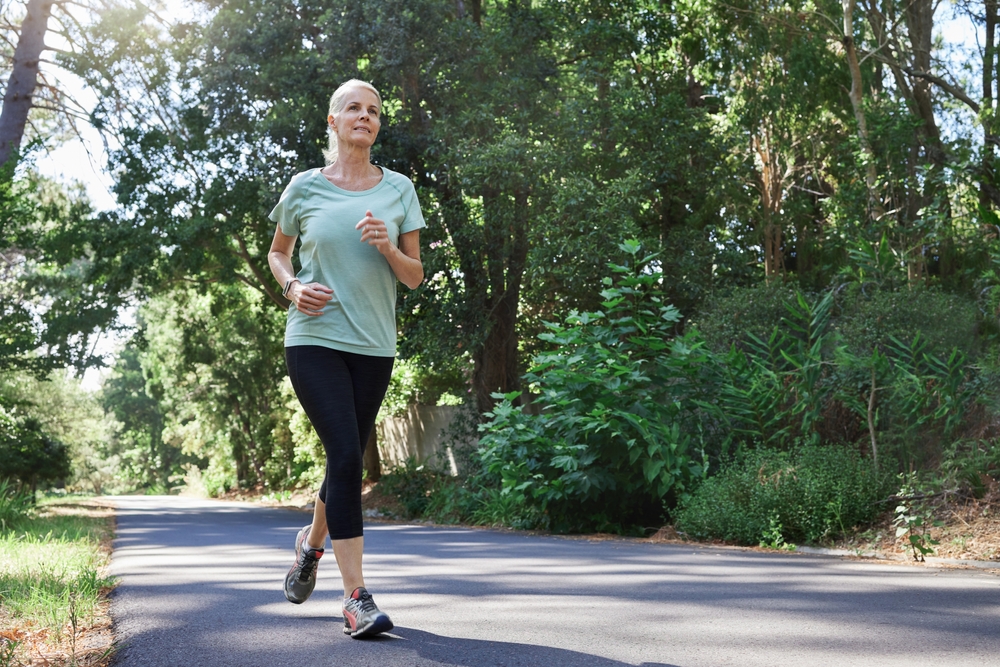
point(414, 218)
point(286, 212)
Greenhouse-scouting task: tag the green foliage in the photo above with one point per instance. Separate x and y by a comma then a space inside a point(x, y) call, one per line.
point(943, 321)
point(631, 415)
point(805, 383)
point(416, 381)
point(222, 348)
point(773, 537)
point(72, 415)
point(451, 501)
point(53, 298)
point(499, 509)
point(972, 466)
point(743, 314)
point(865, 318)
point(914, 517)
point(28, 454)
point(774, 392)
point(15, 504)
point(810, 493)
point(411, 484)
point(608, 443)
point(136, 443)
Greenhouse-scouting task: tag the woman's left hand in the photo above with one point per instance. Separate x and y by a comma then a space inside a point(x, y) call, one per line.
point(374, 232)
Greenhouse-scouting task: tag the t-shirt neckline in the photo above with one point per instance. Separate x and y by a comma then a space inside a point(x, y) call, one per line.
point(352, 193)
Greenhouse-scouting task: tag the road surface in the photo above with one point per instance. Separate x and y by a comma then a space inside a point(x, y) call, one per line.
point(201, 585)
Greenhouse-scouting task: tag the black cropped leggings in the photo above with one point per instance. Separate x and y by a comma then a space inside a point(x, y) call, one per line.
point(341, 393)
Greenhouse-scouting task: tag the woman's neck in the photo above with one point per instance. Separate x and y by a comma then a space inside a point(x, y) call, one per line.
point(353, 170)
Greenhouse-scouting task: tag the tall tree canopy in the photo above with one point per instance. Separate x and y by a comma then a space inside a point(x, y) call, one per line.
point(745, 143)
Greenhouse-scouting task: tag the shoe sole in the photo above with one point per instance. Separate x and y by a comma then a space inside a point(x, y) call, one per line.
point(378, 626)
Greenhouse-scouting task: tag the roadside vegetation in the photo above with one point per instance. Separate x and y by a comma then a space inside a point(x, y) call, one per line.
point(811, 428)
point(53, 582)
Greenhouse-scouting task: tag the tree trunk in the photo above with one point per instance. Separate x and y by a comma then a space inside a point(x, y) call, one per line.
point(988, 177)
point(920, 25)
point(857, 103)
point(772, 186)
point(496, 366)
point(871, 418)
point(23, 77)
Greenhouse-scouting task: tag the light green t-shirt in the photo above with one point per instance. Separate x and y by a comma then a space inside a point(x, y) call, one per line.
point(361, 316)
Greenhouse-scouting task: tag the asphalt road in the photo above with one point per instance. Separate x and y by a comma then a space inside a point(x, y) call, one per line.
point(201, 585)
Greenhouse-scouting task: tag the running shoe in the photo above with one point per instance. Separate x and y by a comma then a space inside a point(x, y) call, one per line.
point(301, 579)
point(362, 618)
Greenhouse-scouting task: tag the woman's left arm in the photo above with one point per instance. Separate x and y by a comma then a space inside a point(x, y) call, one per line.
point(405, 259)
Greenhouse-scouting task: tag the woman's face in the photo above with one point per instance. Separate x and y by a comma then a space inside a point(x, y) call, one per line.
point(358, 121)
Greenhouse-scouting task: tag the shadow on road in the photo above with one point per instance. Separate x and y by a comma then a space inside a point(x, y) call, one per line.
point(477, 653)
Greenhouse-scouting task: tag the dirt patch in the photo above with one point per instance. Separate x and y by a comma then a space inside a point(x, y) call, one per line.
point(970, 530)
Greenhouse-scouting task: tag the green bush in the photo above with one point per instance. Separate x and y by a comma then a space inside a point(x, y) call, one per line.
point(451, 500)
point(28, 453)
point(972, 466)
point(495, 508)
point(411, 484)
point(15, 504)
point(810, 493)
point(744, 313)
point(616, 437)
point(864, 318)
point(943, 321)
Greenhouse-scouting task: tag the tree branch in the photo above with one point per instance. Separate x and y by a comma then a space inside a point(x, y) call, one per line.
point(263, 283)
point(952, 90)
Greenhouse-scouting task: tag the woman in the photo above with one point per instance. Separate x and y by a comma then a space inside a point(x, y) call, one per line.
point(359, 226)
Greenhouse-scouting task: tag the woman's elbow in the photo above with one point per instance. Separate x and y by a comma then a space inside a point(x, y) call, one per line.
point(415, 280)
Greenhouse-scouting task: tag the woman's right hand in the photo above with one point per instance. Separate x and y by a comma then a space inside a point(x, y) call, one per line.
point(310, 299)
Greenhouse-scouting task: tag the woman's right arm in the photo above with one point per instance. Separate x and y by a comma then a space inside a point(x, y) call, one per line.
point(309, 299)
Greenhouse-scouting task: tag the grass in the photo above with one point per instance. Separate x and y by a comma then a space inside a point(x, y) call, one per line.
point(53, 587)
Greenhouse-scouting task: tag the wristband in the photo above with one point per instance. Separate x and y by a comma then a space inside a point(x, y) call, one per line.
point(288, 286)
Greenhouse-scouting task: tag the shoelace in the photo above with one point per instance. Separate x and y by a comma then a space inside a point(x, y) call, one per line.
point(308, 565)
point(366, 602)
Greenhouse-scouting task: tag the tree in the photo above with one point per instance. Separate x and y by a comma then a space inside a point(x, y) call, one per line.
point(20, 89)
point(27, 453)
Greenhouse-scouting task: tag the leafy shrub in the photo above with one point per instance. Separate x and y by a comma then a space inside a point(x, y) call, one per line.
point(812, 492)
point(743, 314)
point(804, 385)
point(451, 500)
point(972, 466)
point(495, 508)
point(219, 477)
point(632, 415)
point(774, 391)
point(943, 321)
point(411, 484)
point(29, 454)
point(611, 440)
point(14, 505)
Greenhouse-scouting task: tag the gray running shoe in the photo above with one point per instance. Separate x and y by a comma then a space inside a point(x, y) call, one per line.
point(301, 579)
point(362, 618)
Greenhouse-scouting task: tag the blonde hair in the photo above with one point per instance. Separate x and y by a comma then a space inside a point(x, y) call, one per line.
point(337, 101)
